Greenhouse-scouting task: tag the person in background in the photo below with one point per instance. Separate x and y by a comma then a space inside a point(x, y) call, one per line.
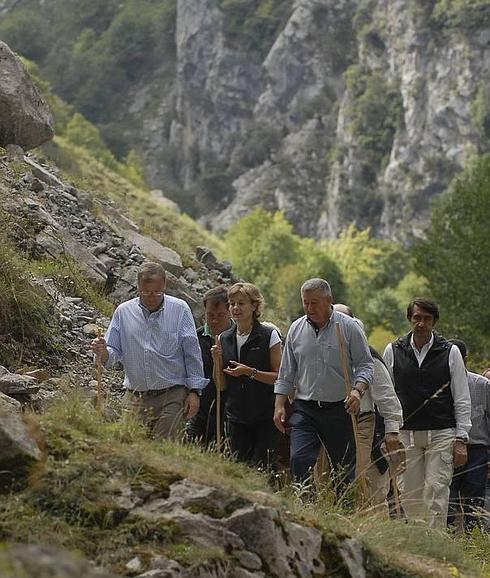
point(312, 362)
point(251, 355)
point(202, 427)
point(467, 491)
point(154, 337)
point(381, 393)
point(432, 386)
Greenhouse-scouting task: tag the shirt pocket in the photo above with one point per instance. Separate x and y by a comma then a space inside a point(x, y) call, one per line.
point(326, 353)
point(168, 343)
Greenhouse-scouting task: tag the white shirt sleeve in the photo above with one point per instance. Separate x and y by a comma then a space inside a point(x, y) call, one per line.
point(460, 392)
point(275, 339)
point(384, 396)
point(389, 359)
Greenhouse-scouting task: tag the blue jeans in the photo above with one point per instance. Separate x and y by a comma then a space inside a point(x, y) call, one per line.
point(467, 489)
point(329, 425)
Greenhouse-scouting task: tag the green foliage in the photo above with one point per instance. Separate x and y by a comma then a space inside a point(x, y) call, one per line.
point(465, 14)
point(84, 134)
point(265, 251)
point(254, 24)
point(480, 111)
point(71, 280)
point(26, 31)
point(24, 308)
point(376, 272)
point(93, 51)
point(375, 111)
point(260, 244)
point(455, 256)
point(313, 261)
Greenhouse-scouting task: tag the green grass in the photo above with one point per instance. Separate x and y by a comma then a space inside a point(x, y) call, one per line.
point(70, 280)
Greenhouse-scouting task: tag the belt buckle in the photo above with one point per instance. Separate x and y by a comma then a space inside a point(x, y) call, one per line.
point(319, 403)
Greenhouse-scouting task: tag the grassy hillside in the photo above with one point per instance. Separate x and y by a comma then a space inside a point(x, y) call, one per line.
point(72, 502)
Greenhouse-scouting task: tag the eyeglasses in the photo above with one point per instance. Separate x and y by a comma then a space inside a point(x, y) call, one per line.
point(148, 293)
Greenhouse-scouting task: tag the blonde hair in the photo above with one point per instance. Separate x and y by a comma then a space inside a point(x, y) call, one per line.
point(252, 293)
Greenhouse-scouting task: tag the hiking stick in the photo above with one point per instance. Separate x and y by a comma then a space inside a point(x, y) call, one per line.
point(345, 370)
point(218, 381)
point(99, 399)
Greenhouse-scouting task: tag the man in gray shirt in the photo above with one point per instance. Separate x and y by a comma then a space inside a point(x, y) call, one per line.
point(312, 362)
point(467, 490)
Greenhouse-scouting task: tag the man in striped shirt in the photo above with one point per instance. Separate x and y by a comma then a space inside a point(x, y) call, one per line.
point(154, 337)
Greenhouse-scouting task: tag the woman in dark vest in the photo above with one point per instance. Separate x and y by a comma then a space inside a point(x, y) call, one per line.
point(251, 357)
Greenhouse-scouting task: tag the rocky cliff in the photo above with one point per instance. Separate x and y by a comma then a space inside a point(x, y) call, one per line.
point(332, 111)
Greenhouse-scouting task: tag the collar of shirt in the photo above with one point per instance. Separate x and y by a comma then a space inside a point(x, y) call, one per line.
point(315, 326)
point(420, 355)
point(147, 312)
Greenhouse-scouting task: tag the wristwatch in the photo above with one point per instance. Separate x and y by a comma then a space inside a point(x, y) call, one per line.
point(360, 390)
point(198, 392)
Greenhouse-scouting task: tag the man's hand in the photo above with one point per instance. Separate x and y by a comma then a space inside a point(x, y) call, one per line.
point(395, 451)
point(460, 454)
point(353, 402)
point(191, 405)
point(99, 347)
point(280, 413)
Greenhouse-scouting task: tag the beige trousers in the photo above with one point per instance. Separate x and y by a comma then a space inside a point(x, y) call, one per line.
point(424, 487)
point(161, 411)
point(377, 485)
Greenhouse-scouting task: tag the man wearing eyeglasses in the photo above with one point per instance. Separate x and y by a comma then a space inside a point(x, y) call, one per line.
point(154, 337)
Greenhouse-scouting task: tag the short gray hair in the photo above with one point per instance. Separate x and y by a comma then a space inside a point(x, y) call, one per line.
point(148, 271)
point(316, 285)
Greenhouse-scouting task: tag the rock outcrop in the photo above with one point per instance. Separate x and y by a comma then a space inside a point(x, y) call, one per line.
point(18, 450)
point(25, 119)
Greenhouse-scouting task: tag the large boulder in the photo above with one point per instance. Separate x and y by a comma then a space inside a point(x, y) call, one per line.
point(18, 449)
point(25, 119)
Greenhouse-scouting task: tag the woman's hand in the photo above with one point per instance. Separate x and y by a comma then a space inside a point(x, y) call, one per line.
point(236, 369)
point(216, 351)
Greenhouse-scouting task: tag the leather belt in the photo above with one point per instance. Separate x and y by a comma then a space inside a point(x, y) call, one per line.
point(321, 404)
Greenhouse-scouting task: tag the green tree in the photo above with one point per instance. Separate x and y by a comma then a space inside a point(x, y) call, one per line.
point(84, 134)
point(455, 255)
point(259, 245)
point(372, 270)
point(313, 261)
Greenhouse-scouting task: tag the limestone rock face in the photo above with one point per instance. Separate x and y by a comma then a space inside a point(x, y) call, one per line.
point(440, 70)
point(286, 129)
point(25, 119)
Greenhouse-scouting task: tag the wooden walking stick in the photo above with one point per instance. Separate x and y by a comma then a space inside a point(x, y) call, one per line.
point(99, 404)
point(348, 387)
point(218, 381)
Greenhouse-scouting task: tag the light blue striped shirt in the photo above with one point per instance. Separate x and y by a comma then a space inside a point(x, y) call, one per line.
point(158, 349)
point(311, 359)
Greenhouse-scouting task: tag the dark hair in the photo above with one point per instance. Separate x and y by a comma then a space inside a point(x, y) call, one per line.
point(461, 345)
point(425, 304)
point(217, 294)
point(149, 270)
